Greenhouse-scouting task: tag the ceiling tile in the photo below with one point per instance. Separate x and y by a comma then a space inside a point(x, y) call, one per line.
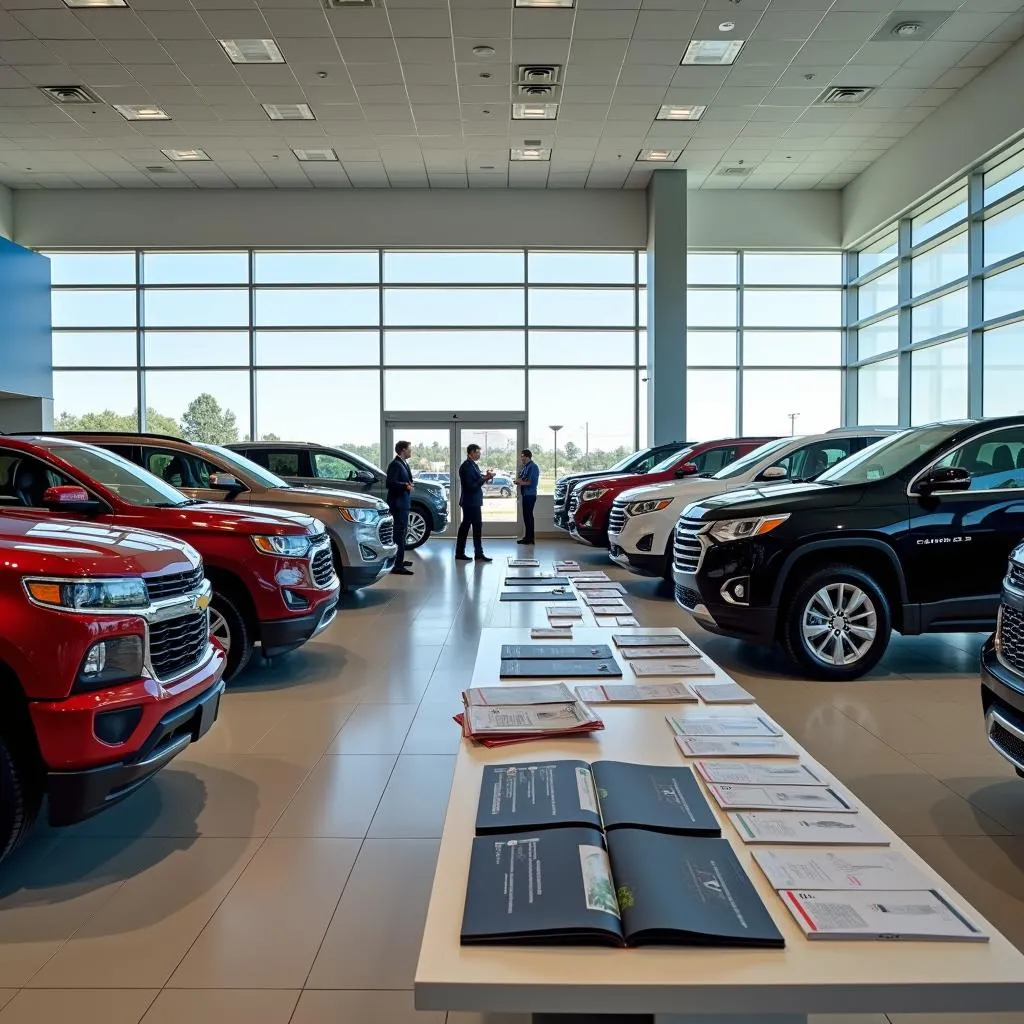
point(470, 23)
point(779, 25)
point(540, 23)
point(123, 25)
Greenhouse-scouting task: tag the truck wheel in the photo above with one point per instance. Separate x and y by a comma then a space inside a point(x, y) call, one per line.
point(21, 793)
point(228, 625)
point(837, 623)
point(418, 530)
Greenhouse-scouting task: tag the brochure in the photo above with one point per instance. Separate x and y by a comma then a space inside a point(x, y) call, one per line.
point(562, 624)
point(718, 723)
point(543, 693)
point(920, 915)
point(649, 640)
point(790, 828)
point(599, 589)
point(606, 605)
point(524, 563)
point(555, 652)
point(636, 653)
point(723, 693)
point(642, 693)
point(538, 668)
point(866, 871)
point(626, 620)
point(540, 594)
point(552, 632)
point(792, 798)
point(574, 886)
point(605, 794)
point(528, 718)
point(754, 773)
point(674, 667)
point(570, 611)
point(736, 746)
point(537, 580)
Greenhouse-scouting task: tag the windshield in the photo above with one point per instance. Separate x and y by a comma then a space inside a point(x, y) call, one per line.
point(889, 456)
point(243, 465)
point(669, 462)
point(123, 478)
point(740, 466)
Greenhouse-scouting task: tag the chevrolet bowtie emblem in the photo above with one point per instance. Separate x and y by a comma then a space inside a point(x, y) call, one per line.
point(203, 602)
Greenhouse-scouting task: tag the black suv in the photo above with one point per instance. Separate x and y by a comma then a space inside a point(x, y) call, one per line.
point(911, 534)
point(1002, 669)
point(642, 461)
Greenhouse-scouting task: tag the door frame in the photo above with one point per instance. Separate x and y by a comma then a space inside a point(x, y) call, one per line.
point(455, 422)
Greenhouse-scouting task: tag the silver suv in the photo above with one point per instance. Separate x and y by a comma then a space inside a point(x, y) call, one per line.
point(360, 526)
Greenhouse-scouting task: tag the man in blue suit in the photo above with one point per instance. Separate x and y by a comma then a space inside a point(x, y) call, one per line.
point(399, 486)
point(471, 499)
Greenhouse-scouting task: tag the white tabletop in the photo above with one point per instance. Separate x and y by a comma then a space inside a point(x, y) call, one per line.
point(805, 977)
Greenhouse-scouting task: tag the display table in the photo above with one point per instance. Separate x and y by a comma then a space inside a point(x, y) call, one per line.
point(714, 985)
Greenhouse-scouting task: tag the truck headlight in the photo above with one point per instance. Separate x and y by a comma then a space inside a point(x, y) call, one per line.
point(593, 493)
point(111, 661)
point(641, 508)
point(361, 515)
point(89, 594)
point(292, 547)
point(744, 529)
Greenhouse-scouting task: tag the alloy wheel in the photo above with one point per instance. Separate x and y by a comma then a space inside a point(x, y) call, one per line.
point(416, 530)
point(219, 628)
point(839, 624)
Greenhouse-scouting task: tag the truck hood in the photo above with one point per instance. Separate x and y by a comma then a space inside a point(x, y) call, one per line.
point(772, 499)
point(692, 488)
point(322, 496)
point(227, 517)
point(59, 547)
point(571, 479)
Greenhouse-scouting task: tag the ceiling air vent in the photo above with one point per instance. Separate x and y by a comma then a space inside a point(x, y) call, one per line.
point(334, 4)
point(845, 95)
point(536, 91)
point(70, 94)
point(155, 169)
point(539, 74)
point(736, 172)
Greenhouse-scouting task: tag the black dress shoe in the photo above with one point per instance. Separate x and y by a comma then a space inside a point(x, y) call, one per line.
point(407, 564)
point(526, 540)
point(463, 558)
point(400, 570)
point(482, 558)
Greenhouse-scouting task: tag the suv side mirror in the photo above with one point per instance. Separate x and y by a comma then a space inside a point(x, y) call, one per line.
point(364, 476)
point(224, 482)
point(686, 469)
point(948, 478)
point(69, 498)
point(773, 473)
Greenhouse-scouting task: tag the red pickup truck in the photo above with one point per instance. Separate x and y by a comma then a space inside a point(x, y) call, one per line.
point(107, 670)
point(271, 570)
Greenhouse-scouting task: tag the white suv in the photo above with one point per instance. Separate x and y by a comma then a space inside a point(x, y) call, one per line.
point(642, 519)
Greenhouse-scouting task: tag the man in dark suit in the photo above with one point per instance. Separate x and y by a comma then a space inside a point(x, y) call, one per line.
point(471, 499)
point(399, 500)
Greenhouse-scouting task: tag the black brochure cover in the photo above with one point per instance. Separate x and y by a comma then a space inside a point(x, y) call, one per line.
point(537, 595)
point(539, 668)
point(556, 652)
point(536, 581)
point(543, 794)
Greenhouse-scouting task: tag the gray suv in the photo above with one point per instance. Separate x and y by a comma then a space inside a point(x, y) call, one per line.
point(360, 526)
point(304, 463)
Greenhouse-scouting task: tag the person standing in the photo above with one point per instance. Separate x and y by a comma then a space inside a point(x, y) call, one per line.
point(471, 500)
point(399, 484)
point(529, 478)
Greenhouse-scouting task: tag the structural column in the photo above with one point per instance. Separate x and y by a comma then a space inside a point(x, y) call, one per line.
point(666, 307)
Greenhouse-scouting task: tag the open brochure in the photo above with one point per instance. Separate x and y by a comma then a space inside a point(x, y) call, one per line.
point(756, 773)
point(923, 914)
point(643, 668)
point(642, 693)
point(576, 886)
point(790, 798)
point(736, 746)
point(723, 693)
point(541, 693)
point(865, 870)
point(718, 723)
point(795, 828)
point(605, 794)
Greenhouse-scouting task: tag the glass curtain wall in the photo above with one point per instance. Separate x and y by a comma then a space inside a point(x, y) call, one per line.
point(315, 346)
point(764, 343)
point(937, 306)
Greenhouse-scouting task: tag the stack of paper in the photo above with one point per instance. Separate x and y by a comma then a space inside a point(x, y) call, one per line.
point(722, 693)
point(524, 563)
point(790, 828)
point(498, 715)
point(755, 773)
point(672, 667)
point(736, 746)
point(722, 723)
point(552, 632)
point(599, 589)
point(568, 611)
point(650, 693)
point(636, 640)
point(781, 798)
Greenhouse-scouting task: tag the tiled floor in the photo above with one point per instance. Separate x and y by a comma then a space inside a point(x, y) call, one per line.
point(278, 872)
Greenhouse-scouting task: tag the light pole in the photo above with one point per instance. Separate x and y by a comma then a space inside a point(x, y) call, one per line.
point(555, 428)
point(792, 422)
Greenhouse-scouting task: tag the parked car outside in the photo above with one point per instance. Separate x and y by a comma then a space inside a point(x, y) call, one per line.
point(642, 519)
point(428, 476)
point(107, 670)
point(639, 462)
point(271, 570)
point(911, 534)
point(1002, 669)
point(499, 487)
point(360, 527)
point(591, 501)
point(322, 466)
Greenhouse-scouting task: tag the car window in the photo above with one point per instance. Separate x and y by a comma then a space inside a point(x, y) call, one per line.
point(995, 461)
point(333, 467)
point(751, 459)
point(714, 459)
point(283, 463)
point(890, 455)
point(238, 465)
point(179, 469)
point(812, 460)
point(258, 455)
point(20, 491)
point(131, 483)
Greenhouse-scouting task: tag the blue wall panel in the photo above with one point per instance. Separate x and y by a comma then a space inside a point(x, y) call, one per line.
point(26, 349)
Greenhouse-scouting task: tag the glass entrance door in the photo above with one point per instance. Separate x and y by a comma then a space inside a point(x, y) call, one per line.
point(439, 448)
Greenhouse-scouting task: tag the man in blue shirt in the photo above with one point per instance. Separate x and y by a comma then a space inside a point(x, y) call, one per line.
point(529, 478)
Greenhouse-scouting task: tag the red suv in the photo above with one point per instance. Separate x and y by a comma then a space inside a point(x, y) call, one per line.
point(107, 670)
point(272, 570)
point(591, 501)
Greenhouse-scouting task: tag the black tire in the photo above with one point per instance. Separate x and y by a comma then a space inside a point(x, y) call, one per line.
point(411, 542)
point(506, 493)
point(669, 555)
point(21, 793)
point(229, 625)
point(868, 609)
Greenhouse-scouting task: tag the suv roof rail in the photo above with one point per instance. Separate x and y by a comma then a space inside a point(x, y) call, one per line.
point(862, 427)
point(98, 433)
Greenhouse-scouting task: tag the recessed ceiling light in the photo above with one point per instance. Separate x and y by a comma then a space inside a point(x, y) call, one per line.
point(483, 51)
point(712, 51)
point(659, 156)
point(545, 3)
point(252, 51)
point(95, 3)
point(905, 29)
point(312, 156)
point(530, 153)
point(678, 112)
point(288, 111)
point(183, 156)
point(727, 26)
point(141, 112)
point(534, 111)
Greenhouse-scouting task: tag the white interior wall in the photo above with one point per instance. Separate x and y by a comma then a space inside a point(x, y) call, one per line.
point(978, 120)
point(536, 218)
point(6, 212)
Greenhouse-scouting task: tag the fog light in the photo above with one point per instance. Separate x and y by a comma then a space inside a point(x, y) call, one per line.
point(736, 590)
point(115, 727)
point(111, 661)
point(645, 542)
point(295, 601)
point(369, 555)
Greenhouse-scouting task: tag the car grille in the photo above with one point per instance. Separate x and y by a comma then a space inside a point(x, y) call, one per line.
point(560, 494)
point(617, 518)
point(687, 548)
point(686, 597)
point(386, 531)
point(1011, 637)
point(177, 645)
point(1016, 574)
point(321, 567)
point(1007, 742)
point(574, 505)
point(174, 584)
